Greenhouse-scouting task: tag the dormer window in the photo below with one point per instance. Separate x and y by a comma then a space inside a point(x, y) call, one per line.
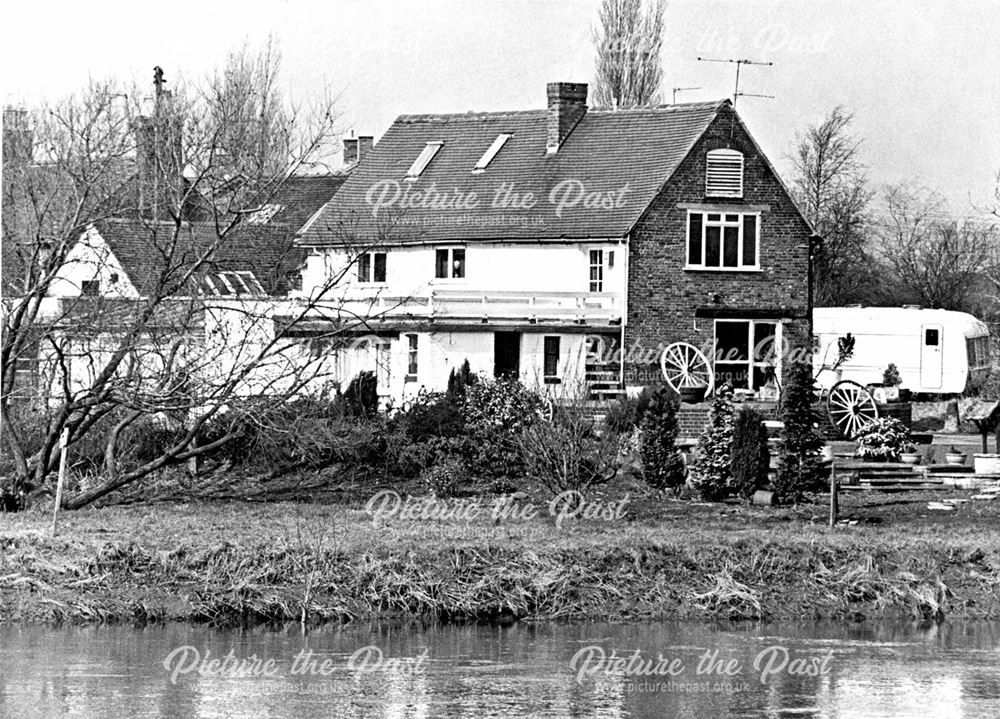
point(724, 173)
point(490, 153)
point(423, 160)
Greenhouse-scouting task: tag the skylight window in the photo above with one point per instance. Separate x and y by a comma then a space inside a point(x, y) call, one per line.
point(491, 152)
point(423, 160)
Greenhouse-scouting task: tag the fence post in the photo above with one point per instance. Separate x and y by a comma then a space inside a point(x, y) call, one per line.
point(834, 504)
point(63, 441)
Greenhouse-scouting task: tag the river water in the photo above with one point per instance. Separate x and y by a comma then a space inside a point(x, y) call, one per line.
point(657, 670)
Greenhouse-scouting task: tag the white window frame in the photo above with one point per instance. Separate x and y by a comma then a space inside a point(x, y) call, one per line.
point(450, 249)
point(750, 362)
point(412, 357)
point(423, 160)
point(369, 280)
point(722, 224)
point(723, 161)
point(556, 377)
point(600, 266)
point(491, 152)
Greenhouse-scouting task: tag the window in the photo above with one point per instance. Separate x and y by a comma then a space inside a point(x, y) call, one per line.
point(242, 282)
point(263, 215)
point(746, 352)
point(724, 173)
point(371, 267)
point(932, 337)
point(411, 358)
point(550, 364)
point(423, 160)
point(723, 241)
point(597, 270)
point(449, 263)
point(978, 350)
point(90, 288)
point(490, 153)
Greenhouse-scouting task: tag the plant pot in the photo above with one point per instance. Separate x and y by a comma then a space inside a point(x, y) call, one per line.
point(692, 395)
point(954, 459)
point(909, 458)
point(986, 463)
point(891, 393)
point(905, 395)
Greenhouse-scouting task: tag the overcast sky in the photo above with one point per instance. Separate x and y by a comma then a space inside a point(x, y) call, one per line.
point(921, 77)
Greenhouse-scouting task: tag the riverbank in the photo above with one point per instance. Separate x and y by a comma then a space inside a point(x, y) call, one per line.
point(232, 562)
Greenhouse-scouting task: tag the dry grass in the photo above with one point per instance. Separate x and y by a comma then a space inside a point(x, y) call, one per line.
point(238, 562)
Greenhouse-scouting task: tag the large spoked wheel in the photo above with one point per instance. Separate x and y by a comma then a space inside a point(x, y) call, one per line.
point(684, 365)
point(851, 408)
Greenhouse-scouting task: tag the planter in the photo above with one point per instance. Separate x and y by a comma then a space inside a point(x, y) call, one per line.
point(909, 458)
point(954, 459)
point(986, 463)
point(891, 393)
point(905, 395)
point(692, 395)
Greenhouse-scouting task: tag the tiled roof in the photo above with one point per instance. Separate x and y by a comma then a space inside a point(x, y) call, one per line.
point(621, 159)
point(143, 248)
point(299, 196)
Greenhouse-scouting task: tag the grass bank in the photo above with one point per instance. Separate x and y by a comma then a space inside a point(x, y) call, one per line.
point(230, 562)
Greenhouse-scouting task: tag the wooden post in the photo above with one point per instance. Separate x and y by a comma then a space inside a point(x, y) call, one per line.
point(834, 505)
point(63, 441)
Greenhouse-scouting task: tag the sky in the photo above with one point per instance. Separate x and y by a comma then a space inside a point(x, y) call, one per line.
point(921, 77)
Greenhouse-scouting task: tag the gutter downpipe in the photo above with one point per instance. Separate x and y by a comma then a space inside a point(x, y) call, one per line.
point(621, 348)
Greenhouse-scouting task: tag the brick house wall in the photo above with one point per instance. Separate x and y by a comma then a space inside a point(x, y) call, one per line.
point(667, 303)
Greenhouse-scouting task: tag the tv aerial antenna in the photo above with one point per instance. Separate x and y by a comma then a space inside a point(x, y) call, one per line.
point(681, 89)
point(738, 63)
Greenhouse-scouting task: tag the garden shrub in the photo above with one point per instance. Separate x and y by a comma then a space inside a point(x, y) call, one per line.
point(496, 412)
point(662, 462)
point(883, 440)
point(459, 382)
point(800, 467)
point(750, 456)
point(567, 453)
point(626, 414)
point(432, 415)
point(712, 470)
point(445, 476)
point(361, 396)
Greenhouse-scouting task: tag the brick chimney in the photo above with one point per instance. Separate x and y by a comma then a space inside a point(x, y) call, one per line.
point(18, 137)
point(567, 106)
point(159, 156)
point(365, 145)
point(355, 148)
point(350, 150)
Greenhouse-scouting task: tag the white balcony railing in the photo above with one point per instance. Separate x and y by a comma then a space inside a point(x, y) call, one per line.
point(478, 306)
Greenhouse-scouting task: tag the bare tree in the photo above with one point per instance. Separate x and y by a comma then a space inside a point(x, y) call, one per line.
point(160, 346)
point(932, 259)
point(831, 189)
point(628, 42)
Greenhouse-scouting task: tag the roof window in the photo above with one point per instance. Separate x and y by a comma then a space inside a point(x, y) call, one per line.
point(423, 160)
point(491, 152)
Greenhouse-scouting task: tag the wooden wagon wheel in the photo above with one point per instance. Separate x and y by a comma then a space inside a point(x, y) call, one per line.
point(684, 365)
point(851, 408)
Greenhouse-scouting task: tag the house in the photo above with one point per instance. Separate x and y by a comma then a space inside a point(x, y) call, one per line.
point(568, 247)
point(214, 289)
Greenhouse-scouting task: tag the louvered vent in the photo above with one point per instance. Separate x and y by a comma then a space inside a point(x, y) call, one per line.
point(724, 174)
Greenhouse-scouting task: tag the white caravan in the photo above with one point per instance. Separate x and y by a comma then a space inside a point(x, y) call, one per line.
point(935, 351)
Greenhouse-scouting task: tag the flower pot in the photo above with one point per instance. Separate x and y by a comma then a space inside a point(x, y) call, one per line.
point(909, 458)
point(692, 395)
point(955, 458)
point(986, 463)
point(891, 393)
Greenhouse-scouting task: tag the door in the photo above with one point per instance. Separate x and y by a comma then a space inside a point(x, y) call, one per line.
point(507, 354)
point(931, 344)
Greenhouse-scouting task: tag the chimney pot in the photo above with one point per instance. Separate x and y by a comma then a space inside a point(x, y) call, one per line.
point(567, 106)
point(350, 150)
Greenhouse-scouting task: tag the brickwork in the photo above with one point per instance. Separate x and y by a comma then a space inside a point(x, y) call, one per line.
point(667, 303)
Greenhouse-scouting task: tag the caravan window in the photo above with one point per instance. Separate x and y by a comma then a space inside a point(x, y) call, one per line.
point(932, 337)
point(978, 351)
